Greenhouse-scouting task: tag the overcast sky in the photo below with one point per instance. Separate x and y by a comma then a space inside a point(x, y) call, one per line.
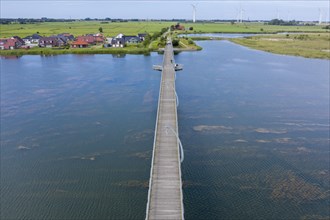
point(221, 9)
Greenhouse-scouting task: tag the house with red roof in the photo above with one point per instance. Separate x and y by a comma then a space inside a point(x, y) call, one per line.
point(11, 43)
point(88, 39)
point(79, 44)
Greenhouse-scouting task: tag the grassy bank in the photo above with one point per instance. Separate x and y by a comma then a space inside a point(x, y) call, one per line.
point(53, 51)
point(310, 45)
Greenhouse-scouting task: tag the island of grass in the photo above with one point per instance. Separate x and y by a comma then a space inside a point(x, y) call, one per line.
point(311, 45)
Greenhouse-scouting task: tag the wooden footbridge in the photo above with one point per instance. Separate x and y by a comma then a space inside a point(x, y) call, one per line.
point(165, 199)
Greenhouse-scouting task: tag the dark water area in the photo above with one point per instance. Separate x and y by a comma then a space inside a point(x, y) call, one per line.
point(77, 134)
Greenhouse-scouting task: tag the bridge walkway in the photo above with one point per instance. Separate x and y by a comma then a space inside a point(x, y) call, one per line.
point(165, 186)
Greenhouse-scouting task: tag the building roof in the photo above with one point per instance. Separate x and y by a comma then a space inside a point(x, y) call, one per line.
point(79, 42)
point(10, 42)
point(33, 36)
point(49, 38)
point(129, 38)
point(119, 36)
point(18, 39)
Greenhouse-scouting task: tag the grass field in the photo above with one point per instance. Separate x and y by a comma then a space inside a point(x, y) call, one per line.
point(249, 28)
point(311, 45)
point(133, 28)
point(315, 45)
point(80, 28)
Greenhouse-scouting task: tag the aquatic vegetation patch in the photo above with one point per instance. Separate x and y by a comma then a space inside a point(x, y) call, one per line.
point(146, 155)
point(135, 136)
point(212, 129)
point(298, 190)
point(269, 131)
point(22, 147)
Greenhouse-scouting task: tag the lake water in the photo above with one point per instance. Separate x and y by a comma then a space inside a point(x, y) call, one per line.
point(225, 35)
point(77, 134)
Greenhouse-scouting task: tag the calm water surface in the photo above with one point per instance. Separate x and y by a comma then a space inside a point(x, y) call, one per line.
point(77, 134)
point(224, 35)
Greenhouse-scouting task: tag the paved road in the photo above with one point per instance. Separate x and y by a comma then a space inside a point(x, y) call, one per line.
point(165, 187)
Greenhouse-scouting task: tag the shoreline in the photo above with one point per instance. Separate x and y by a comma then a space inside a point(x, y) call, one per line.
point(57, 51)
point(255, 42)
point(310, 46)
point(86, 51)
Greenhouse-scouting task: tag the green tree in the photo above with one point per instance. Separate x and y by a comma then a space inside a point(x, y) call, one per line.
point(156, 35)
point(147, 40)
point(163, 30)
point(100, 29)
point(175, 42)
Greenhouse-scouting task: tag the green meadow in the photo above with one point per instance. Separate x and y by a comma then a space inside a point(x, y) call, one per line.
point(81, 28)
point(311, 45)
point(133, 28)
point(310, 41)
point(249, 28)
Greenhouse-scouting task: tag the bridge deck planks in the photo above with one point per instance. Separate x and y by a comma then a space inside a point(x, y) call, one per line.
point(165, 193)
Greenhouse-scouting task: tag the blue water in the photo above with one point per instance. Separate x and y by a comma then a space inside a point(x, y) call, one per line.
point(219, 35)
point(77, 134)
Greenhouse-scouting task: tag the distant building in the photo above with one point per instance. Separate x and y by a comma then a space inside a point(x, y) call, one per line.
point(32, 39)
point(99, 39)
point(62, 41)
point(12, 43)
point(142, 36)
point(117, 42)
point(131, 39)
point(68, 36)
point(49, 42)
point(120, 40)
point(119, 36)
point(19, 40)
point(177, 27)
point(88, 39)
point(79, 44)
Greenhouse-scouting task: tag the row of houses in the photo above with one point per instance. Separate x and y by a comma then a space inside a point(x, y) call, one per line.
point(65, 39)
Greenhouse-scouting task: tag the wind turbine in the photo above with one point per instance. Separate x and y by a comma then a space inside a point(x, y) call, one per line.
point(194, 12)
point(240, 14)
point(320, 16)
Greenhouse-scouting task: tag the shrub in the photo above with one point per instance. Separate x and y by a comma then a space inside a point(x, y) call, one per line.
point(175, 42)
point(302, 37)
